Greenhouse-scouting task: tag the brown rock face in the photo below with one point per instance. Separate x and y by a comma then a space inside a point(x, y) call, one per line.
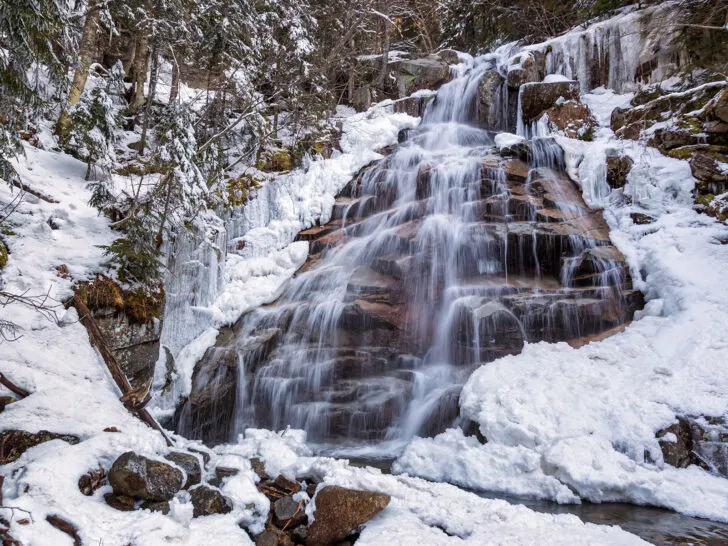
point(573, 119)
point(536, 98)
point(341, 511)
point(532, 70)
point(138, 477)
point(705, 168)
point(488, 99)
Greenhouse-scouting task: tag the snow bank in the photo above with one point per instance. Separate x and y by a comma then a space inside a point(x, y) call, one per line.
point(587, 417)
point(422, 512)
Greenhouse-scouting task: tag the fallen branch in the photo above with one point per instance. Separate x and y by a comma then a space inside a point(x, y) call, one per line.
point(65, 527)
point(12, 387)
point(31, 191)
point(133, 399)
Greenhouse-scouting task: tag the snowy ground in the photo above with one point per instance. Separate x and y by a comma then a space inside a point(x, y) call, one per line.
point(565, 423)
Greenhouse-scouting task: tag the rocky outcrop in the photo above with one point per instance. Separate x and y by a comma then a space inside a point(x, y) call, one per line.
point(711, 169)
point(208, 411)
point(426, 73)
point(489, 99)
point(572, 119)
point(531, 68)
point(340, 512)
point(536, 98)
point(138, 477)
point(701, 441)
point(414, 106)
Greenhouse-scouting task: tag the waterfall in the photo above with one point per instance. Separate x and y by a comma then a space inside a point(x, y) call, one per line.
point(441, 257)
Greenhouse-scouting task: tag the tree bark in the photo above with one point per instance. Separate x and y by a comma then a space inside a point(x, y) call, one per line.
point(174, 90)
point(152, 90)
point(384, 70)
point(139, 73)
point(86, 51)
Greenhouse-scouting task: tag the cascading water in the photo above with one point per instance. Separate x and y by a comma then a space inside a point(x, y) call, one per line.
point(441, 257)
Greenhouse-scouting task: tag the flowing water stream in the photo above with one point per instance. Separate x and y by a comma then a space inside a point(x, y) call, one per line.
point(443, 256)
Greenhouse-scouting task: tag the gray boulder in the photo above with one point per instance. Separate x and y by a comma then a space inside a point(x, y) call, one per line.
point(190, 464)
point(138, 477)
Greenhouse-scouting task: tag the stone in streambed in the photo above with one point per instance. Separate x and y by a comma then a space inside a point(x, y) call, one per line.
point(340, 512)
point(288, 512)
point(142, 478)
point(190, 464)
point(208, 500)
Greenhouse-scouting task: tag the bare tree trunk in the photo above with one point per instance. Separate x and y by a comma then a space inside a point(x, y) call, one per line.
point(384, 70)
point(139, 73)
point(86, 51)
point(174, 90)
point(154, 76)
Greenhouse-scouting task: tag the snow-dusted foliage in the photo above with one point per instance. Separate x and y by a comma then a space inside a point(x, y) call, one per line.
point(95, 131)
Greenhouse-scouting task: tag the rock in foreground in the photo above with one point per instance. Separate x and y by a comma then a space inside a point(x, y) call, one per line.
point(142, 478)
point(340, 511)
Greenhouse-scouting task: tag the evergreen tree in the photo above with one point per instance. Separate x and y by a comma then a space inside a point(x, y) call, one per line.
point(95, 126)
point(30, 33)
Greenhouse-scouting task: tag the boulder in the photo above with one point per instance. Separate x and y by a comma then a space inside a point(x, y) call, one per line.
point(120, 502)
point(288, 512)
point(157, 506)
point(572, 119)
point(536, 98)
point(273, 537)
point(222, 472)
point(340, 512)
point(676, 444)
point(190, 464)
point(278, 488)
point(488, 99)
point(16, 442)
point(142, 478)
point(208, 500)
point(362, 99)
point(210, 407)
point(720, 110)
point(531, 69)
point(414, 106)
point(258, 467)
point(706, 167)
point(426, 73)
point(618, 167)
point(450, 56)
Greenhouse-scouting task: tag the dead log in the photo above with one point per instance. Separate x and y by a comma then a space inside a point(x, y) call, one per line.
point(12, 387)
point(65, 527)
point(133, 399)
point(31, 191)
